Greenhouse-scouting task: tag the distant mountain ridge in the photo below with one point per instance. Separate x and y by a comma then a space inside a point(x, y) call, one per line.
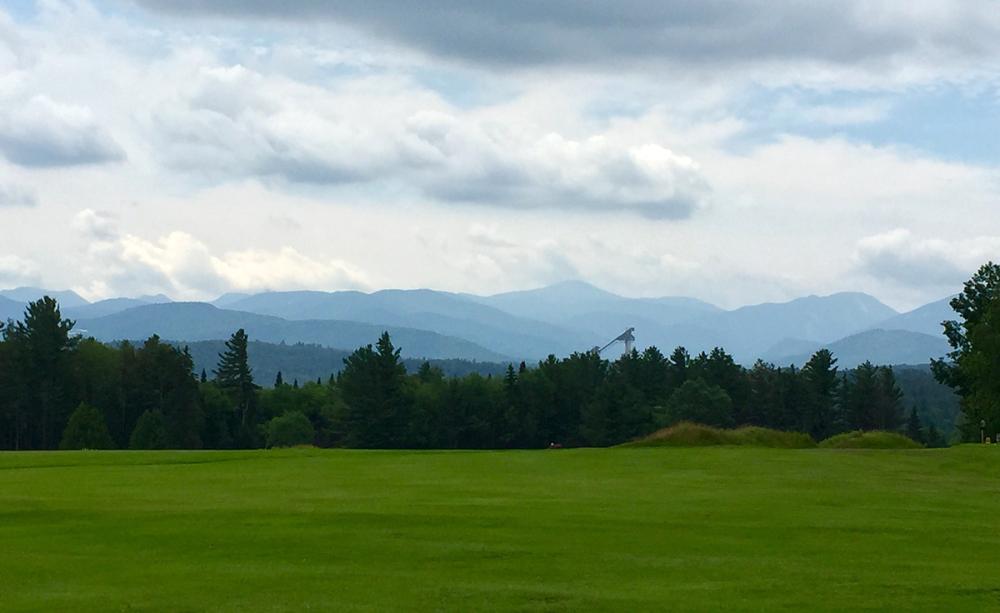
point(531, 324)
point(199, 321)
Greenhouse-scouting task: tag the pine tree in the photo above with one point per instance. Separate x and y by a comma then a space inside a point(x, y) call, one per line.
point(934, 438)
point(378, 403)
point(278, 380)
point(204, 376)
point(820, 376)
point(42, 344)
point(236, 378)
point(913, 429)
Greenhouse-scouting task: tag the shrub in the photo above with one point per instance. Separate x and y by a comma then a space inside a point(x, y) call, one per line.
point(86, 429)
point(687, 434)
point(290, 429)
point(875, 439)
point(150, 432)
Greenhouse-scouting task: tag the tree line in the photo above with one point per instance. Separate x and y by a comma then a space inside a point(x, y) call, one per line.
point(58, 390)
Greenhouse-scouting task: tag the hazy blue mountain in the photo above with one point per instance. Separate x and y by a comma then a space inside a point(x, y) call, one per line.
point(306, 362)
point(750, 331)
point(195, 321)
point(66, 298)
point(155, 298)
point(576, 301)
point(11, 309)
point(225, 300)
point(926, 319)
point(441, 312)
point(103, 307)
point(789, 347)
point(878, 346)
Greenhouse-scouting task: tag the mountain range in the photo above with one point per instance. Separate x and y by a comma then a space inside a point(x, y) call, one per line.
point(558, 319)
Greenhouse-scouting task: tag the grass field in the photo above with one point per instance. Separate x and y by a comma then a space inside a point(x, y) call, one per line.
point(693, 529)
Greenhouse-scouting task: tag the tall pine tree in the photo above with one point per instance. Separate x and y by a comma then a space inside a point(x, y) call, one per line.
point(235, 377)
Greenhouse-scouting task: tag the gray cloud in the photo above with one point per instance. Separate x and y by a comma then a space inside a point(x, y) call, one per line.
point(302, 134)
point(618, 34)
point(902, 258)
point(15, 195)
point(42, 133)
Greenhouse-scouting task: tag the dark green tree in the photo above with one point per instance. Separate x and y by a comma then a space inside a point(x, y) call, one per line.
point(290, 429)
point(973, 366)
point(819, 410)
point(234, 376)
point(150, 432)
point(278, 380)
point(375, 390)
point(913, 427)
point(86, 429)
point(699, 402)
point(42, 345)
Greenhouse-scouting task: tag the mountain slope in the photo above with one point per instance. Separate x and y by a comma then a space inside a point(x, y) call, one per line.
point(193, 321)
point(440, 312)
point(11, 309)
point(877, 346)
point(926, 319)
point(66, 298)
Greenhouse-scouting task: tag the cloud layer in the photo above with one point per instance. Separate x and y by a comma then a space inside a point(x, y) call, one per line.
point(627, 34)
point(42, 132)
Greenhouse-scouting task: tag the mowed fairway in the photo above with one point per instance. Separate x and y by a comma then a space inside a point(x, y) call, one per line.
point(566, 530)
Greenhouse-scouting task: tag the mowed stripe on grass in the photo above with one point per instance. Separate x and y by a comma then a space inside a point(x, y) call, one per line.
point(589, 529)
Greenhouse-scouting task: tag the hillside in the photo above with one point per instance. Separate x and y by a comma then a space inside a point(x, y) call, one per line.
point(304, 362)
point(926, 319)
point(193, 321)
point(877, 346)
point(448, 314)
point(66, 298)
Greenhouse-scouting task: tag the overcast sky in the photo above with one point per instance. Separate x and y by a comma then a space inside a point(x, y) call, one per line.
point(734, 152)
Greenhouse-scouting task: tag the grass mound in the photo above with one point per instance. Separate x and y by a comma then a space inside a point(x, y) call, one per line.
point(869, 440)
point(687, 434)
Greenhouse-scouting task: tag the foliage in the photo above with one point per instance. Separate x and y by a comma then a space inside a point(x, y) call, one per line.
point(150, 432)
point(374, 401)
point(86, 429)
point(289, 430)
point(235, 377)
point(973, 366)
point(700, 402)
point(869, 440)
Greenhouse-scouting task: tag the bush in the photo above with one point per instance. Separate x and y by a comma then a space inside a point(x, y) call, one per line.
point(875, 439)
point(86, 429)
point(290, 429)
point(150, 432)
point(687, 434)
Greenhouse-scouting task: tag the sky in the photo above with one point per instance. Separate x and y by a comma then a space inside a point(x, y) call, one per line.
point(737, 152)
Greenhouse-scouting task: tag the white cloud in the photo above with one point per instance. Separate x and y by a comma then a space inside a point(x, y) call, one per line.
point(41, 132)
point(96, 225)
point(235, 123)
point(17, 271)
point(182, 266)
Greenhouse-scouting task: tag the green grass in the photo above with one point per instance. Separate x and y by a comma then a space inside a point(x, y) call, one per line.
point(870, 440)
point(625, 529)
point(687, 434)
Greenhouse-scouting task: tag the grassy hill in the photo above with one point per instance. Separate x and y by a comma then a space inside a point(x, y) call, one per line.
point(639, 529)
